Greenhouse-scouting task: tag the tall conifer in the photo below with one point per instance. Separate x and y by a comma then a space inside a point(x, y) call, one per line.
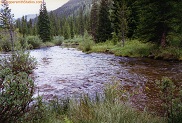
point(44, 28)
point(104, 23)
point(119, 19)
point(94, 19)
point(158, 19)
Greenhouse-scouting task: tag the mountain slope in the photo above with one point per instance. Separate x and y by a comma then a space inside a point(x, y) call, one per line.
point(72, 7)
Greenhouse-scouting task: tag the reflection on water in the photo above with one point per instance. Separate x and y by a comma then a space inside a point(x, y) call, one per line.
point(69, 72)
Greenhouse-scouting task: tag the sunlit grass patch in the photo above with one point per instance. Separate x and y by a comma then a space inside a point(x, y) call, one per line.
point(103, 47)
point(133, 48)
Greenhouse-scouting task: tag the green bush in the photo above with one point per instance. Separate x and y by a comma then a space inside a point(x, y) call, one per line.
point(33, 42)
point(86, 43)
point(58, 40)
point(168, 53)
point(23, 43)
point(171, 98)
point(5, 44)
point(16, 93)
point(16, 87)
point(19, 62)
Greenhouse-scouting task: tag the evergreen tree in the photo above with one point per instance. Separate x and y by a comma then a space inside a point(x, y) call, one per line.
point(44, 29)
point(66, 30)
point(35, 26)
point(119, 18)
point(55, 24)
point(18, 25)
point(94, 20)
point(104, 23)
point(71, 28)
point(7, 22)
point(24, 26)
point(158, 19)
point(133, 19)
point(81, 21)
point(30, 27)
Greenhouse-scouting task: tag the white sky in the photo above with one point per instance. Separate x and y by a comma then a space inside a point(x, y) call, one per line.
point(20, 9)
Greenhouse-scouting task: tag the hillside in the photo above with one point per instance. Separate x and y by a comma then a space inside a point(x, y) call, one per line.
point(72, 6)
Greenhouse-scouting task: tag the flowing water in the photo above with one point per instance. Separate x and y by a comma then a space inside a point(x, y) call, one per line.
point(67, 72)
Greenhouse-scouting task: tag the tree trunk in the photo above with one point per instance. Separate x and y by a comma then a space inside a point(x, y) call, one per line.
point(163, 40)
point(11, 38)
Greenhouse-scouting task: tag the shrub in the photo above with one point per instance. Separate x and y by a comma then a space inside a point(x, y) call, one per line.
point(5, 44)
point(19, 62)
point(169, 53)
point(33, 42)
point(23, 43)
point(16, 93)
point(16, 87)
point(171, 97)
point(87, 43)
point(58, 40)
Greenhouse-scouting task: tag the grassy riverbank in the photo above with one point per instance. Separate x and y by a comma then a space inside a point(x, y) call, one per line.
point(133, 48)
point(111, 109)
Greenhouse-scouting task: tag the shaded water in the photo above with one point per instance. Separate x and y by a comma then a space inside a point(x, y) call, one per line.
point(69, 72)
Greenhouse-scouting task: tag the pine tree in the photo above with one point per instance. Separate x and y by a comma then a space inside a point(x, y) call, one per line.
point(119, 18)
point(66, 30)
point(24, 26)
point(7, 22)
point(55, 24)
point(158, 19)
point(44, 29)
point(81, 21)
point(94, 20)
point(18, 25)
point(30, 27)
point(71, 28)
point(133, 19)
point(104, 23)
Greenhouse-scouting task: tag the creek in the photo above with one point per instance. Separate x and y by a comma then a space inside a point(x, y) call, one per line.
point(67, 72)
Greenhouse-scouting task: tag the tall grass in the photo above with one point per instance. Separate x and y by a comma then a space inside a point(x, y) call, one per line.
point(75, 40)
point(109, 108)
point(103, 47)
point(86, 43)
point(168, 53)
point(134, 48)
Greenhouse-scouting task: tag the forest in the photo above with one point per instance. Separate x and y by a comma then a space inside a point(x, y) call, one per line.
point(126, 28)
point(154, 26)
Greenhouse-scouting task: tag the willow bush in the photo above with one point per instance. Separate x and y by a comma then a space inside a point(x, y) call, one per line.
point(16, 86)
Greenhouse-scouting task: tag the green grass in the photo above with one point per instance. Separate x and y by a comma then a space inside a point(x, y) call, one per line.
point(110, 109)
point(169, 53)
point(133, 48)
point(103, 47)
point(76, 40)
point(47, 44)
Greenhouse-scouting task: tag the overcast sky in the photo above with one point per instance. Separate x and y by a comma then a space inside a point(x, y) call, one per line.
point(20, 9)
